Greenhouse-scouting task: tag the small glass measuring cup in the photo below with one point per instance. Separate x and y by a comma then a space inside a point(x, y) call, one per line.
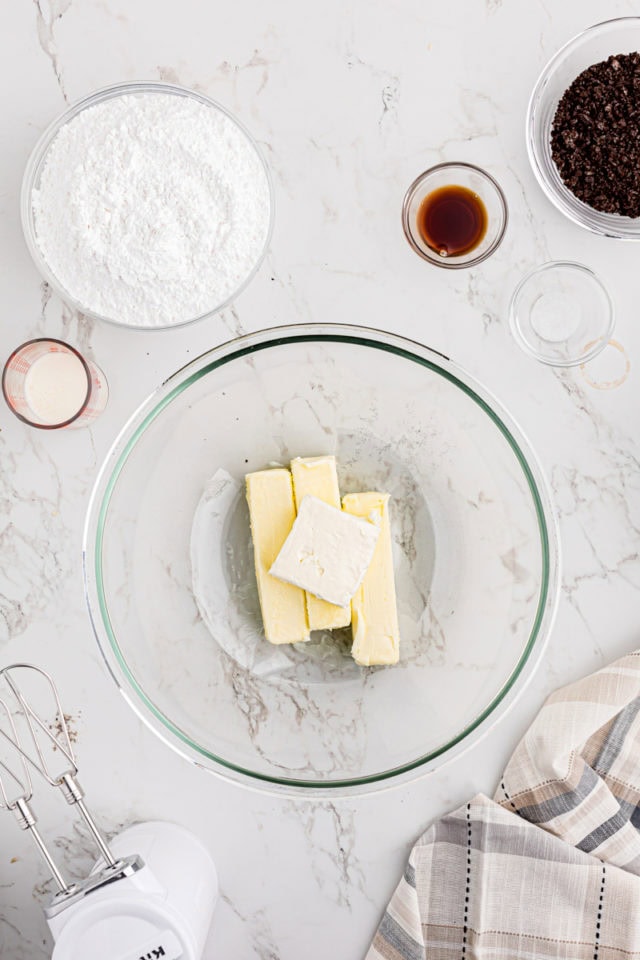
point(48, 384)
point(474, 182)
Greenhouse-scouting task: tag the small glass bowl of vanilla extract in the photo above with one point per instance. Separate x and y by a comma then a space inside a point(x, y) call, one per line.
point(454, 215)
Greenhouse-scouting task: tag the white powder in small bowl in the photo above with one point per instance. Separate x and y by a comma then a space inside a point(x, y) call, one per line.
point(151, 209)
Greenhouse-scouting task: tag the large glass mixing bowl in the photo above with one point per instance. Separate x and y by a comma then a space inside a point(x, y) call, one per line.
point(170, 580)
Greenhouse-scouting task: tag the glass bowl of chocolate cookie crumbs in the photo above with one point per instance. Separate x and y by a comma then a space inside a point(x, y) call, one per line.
point(583, 129)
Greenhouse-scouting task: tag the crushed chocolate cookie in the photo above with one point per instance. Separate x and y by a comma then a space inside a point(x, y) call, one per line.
point(595, 136)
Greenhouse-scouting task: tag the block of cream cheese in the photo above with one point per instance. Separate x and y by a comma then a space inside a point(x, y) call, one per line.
point(374, 616)
point(327, 552)
point(318, 477)
point(272, 511)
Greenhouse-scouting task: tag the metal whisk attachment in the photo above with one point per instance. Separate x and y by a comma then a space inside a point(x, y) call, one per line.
point(35, 736)
point(35, 733)
point(16, 792)
point(48, 742)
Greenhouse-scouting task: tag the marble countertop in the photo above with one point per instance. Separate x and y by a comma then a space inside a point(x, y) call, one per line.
point(351, 101)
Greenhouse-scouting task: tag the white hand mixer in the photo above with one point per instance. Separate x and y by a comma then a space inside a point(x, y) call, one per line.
point(156, 902)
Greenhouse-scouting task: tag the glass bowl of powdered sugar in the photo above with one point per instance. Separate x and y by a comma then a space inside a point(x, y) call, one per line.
point(147, 205)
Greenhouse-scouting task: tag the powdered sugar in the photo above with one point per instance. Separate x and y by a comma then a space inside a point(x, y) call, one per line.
point(152, 209)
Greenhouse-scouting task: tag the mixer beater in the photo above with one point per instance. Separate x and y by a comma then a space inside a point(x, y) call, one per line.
point(127, 907)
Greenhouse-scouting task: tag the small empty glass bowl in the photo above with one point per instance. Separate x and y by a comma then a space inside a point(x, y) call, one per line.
point(561, 314)
point(593, 45)
point(480, 183)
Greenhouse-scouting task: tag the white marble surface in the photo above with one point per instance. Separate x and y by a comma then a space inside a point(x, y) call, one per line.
point(350, 101)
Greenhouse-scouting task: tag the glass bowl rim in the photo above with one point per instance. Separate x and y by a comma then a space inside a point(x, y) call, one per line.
point(560, 196)
point(153, 406)
point(522, 341)
point(37, 158)
point(448, 263)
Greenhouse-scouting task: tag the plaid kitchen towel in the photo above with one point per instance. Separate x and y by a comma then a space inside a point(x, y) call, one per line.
point(550, 868)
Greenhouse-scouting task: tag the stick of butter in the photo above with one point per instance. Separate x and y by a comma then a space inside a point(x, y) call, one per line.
point(272, 510)
point(374, 617)
point(318, 477)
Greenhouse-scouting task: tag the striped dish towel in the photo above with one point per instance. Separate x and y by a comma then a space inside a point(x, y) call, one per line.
point(550, 868)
